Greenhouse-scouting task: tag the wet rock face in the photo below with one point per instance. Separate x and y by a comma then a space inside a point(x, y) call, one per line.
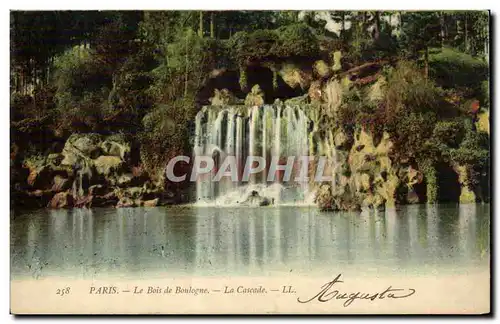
point(368, 178)
point(91, 170)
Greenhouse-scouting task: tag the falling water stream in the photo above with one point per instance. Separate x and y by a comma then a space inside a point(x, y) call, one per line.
point(269, 131)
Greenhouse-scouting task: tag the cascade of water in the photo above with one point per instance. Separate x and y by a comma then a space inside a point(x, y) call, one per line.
point(229, 148)
point(239, 146)
point(253, 129)
point(267, 131)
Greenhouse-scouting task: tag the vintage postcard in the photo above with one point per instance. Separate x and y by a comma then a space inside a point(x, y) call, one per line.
point(250, 162)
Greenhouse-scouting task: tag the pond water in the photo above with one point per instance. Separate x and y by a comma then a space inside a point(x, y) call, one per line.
point(209, 241)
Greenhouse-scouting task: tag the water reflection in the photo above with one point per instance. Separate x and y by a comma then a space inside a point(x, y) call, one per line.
point(205, 241)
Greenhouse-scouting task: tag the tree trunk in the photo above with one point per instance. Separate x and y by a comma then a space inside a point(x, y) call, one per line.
point(186, 71)
point(426, 62)
point(486, 42)
point(342, 32)
point(34, 89)
point(200, 30)
point(212, 25)
point(442, 27)
point(376, 33)
point(21, 82)
point(47, 73)
point(466, 40)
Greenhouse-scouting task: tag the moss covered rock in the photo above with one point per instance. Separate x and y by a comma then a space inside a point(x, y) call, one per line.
point(255, 97)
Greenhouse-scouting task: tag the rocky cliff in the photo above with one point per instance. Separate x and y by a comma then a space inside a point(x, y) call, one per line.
point(91, 171)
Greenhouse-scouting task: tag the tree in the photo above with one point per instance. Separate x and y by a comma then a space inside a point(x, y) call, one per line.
point(421, 31)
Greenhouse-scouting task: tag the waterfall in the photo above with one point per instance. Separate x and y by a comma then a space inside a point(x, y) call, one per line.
point(268, 131)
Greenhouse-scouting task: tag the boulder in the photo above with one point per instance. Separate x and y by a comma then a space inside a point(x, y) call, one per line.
point(124, 180)
point(223, 98)
point(337, 60)
point(362, 182)
point(81, 146)
point(340, 139)
point(324, 198)
point(133, 192)
point(314, 91)
point(40, 178)
point(61, 200)
point(151, 203)
point(255, 97)
point(55, 158)
point(125, 202)
point(83, 201)
point(295, 76)
point(322, 69)
point(116, 145)
point(105, 165)
point(61, 183)
point(98, 190)
point(375, 202)
point(254, 199)
point(108, 199)
point(87, 144)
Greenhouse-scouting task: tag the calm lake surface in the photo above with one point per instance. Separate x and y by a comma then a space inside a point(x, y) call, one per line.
point(206, 241)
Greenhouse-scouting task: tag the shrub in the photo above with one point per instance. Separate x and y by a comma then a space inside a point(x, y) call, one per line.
point(451, 69)
point(165, 133)
point(129, 94)
point(412, 105)
point(474, 150)
point(82, 89)
point(296, 40)
point(253, 47)
point(450, 132)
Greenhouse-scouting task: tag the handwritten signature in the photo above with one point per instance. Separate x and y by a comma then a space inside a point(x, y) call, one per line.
point(329, 292)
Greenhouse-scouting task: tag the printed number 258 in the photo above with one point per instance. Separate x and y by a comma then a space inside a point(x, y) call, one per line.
point(63, 291)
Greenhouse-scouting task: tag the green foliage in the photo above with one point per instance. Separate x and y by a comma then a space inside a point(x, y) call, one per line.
point(420, 30)
point(348, 113)
point(275, 79)
point(451, 68)
point(129, 94)
point(474, 150)
point(484, 94)
point(243, 78)
point(81, 90)
point(412, 106)
point(474, 154)
point(76, 72)
point(184, 66)
point(450, 133)
point(296, 40)
point(253, 47)
point(165, 133)
point(408, 112)
point(431, 180)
